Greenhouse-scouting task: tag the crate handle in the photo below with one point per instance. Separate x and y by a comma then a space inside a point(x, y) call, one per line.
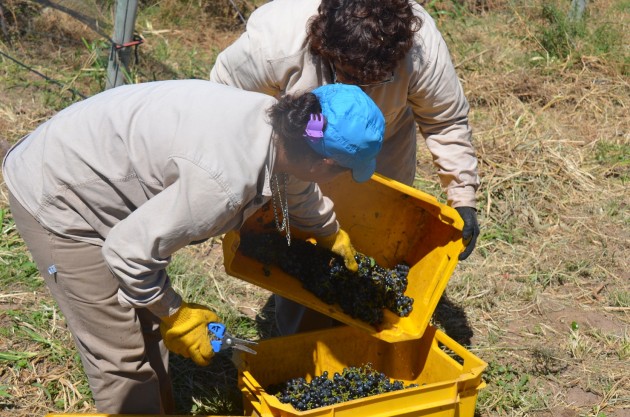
point(470, 363)
point(247, 380)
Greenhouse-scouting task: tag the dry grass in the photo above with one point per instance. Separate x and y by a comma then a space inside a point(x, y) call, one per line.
point(545, 298)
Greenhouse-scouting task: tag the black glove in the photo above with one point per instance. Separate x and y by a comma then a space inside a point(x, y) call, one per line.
point(470, 231)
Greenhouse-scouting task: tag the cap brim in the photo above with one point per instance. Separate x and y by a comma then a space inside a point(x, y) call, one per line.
point(365, 171)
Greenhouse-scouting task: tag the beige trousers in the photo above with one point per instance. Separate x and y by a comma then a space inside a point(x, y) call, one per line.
point(121, 349)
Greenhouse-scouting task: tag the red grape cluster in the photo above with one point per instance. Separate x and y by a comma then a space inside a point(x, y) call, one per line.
point(362, 295)
point(351, 384)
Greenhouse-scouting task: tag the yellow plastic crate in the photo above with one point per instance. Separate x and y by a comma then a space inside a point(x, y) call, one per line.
point(386, 220)
point(449, 376)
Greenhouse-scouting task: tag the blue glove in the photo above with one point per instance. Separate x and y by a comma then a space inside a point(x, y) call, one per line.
point(470, 231)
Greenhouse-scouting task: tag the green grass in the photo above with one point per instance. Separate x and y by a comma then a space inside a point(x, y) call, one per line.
point(615, 156)
point(514, 391)
point(41, 348)
point(192, 282)
point(619, 298)
point(560, 36)
point(17, 270)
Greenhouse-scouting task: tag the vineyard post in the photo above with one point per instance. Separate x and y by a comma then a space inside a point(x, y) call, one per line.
point(124, 24)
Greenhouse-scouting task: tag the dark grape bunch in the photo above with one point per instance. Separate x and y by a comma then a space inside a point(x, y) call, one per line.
point(362, 295)
point(352, 383)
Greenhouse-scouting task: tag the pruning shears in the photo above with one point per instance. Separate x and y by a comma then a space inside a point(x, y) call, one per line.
point(220, 339)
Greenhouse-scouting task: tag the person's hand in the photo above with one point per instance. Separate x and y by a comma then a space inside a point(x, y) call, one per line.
point(470, 230)
point(186, 332)
point(340, 244)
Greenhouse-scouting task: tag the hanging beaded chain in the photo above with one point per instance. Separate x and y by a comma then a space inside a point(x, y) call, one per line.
point(281, 196)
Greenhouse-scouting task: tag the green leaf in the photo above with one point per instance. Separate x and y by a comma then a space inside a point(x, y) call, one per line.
point(14, 356)
point(4, 392)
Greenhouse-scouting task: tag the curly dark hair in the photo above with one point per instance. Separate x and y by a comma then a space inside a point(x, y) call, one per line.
point(371, 36)
point(289, 117)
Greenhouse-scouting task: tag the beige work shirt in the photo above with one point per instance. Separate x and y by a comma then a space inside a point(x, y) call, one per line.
point(143, 170)
point(272, 57)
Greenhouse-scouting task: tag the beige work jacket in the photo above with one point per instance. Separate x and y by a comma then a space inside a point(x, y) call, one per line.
point(273, 57)
point(145, 169)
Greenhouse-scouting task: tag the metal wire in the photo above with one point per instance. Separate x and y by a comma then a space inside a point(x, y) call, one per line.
point(52, 80)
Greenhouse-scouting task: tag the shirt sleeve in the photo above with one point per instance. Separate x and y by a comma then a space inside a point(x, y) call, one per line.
point(441, 111)
point(310, 211)
point(243, 65)
point(138, 249)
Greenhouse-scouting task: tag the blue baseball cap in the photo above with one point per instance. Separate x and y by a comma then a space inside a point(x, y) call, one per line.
point(353, 128)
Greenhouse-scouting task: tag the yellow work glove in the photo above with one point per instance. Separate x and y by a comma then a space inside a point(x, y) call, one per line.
point(340, 244)
point(186, 332)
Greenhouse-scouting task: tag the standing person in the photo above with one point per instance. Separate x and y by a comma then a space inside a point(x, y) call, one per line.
point(393, 50)
point(108, 189)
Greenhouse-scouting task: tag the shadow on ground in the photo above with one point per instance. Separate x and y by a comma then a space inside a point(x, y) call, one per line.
point(451, 318)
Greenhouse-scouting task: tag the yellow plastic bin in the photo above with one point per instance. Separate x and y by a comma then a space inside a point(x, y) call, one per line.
point(386, 220)
point(449, 376)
